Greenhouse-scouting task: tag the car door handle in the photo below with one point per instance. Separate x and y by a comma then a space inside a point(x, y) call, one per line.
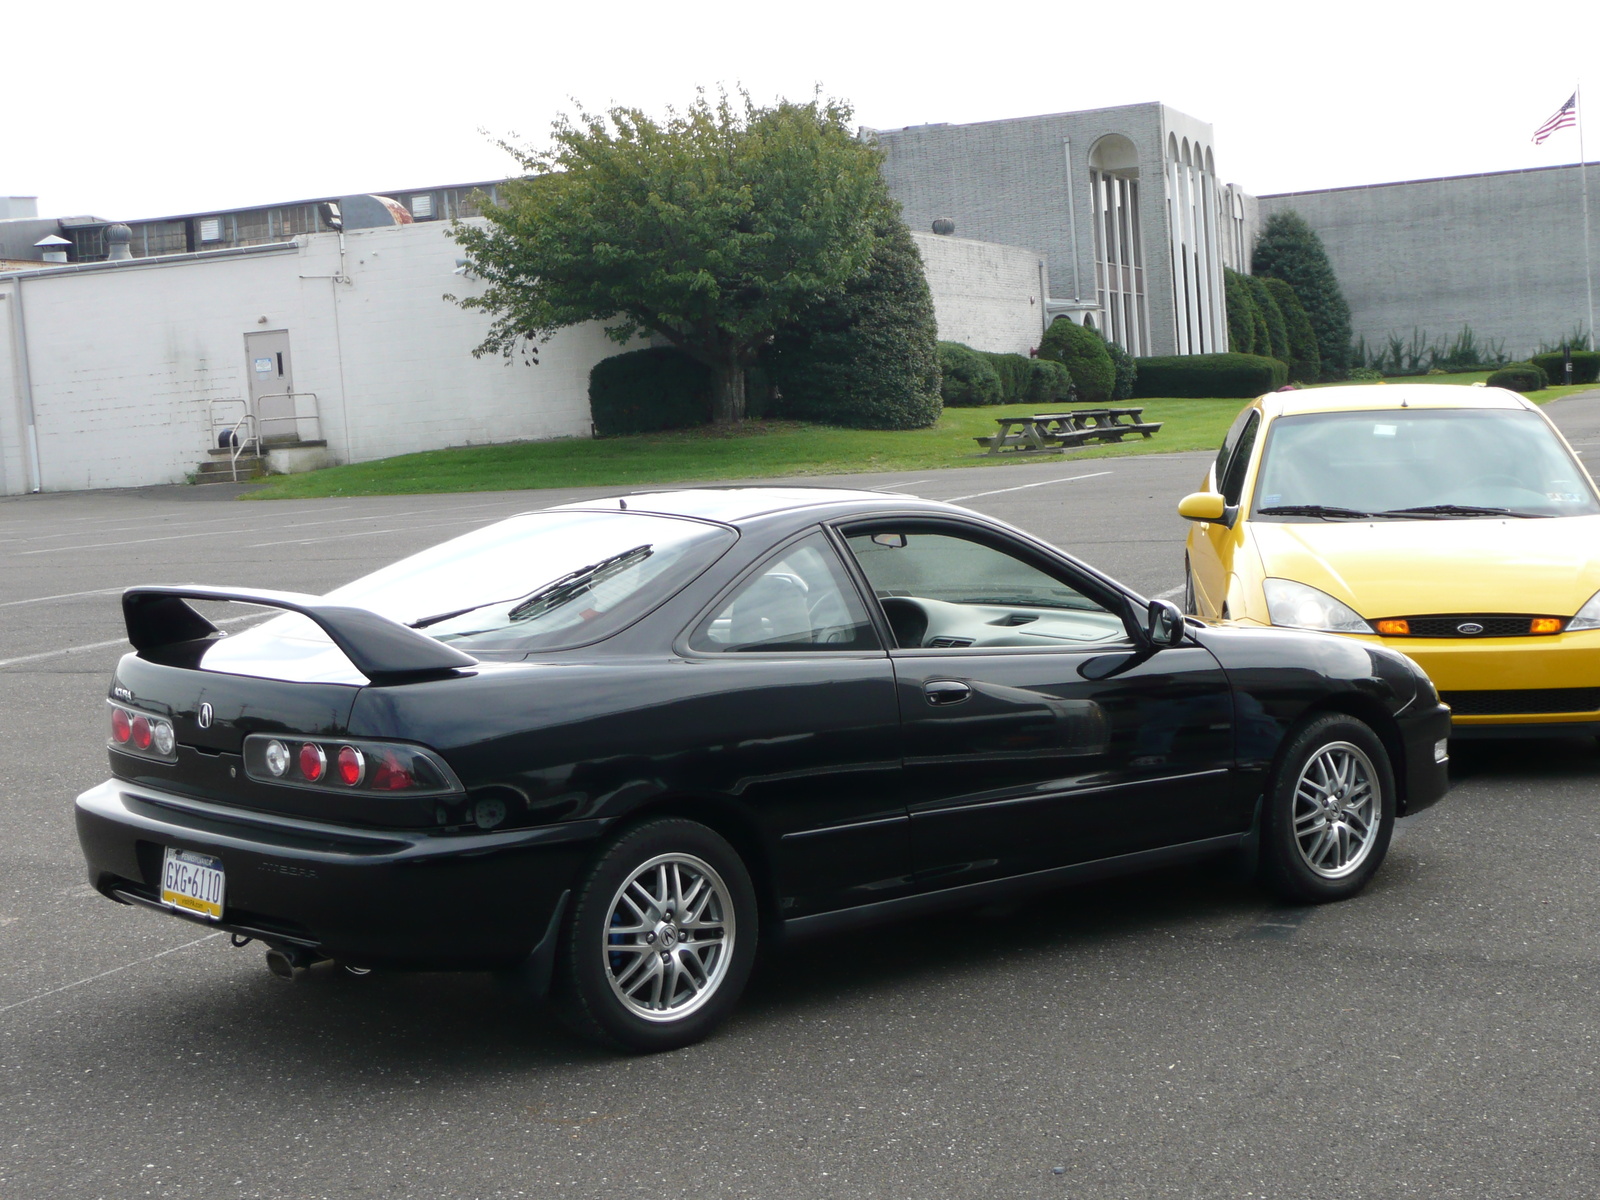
point(946, 691)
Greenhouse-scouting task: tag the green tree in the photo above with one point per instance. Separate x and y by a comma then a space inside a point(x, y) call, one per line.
point(1272, 315)
point(712, 229)
point(1241, 313)
point(1083, 352)
point(865, 356)
point(1289, 249)
point(1305, 362)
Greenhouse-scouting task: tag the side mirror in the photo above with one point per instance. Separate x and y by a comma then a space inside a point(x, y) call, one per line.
point(1203, 506)
point(1164, 624)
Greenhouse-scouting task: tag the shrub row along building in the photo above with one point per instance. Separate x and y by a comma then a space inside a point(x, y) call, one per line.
point(129, 351)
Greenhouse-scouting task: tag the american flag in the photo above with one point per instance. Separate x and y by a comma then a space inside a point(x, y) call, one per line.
point(1566, 115)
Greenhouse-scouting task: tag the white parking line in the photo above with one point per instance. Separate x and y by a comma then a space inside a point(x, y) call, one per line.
point(1024, 487)
point(67, 987)
point(62, 596)
point(1169, 593)
point(121, 641)
point(335, 537)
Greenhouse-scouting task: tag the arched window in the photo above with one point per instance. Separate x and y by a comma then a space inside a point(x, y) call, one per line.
point(1119, 242)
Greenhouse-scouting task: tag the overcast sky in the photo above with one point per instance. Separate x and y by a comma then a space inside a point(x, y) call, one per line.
point(128, 111)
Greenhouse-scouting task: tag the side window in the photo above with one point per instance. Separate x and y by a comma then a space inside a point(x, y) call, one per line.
point(944, 590)
point(1229, 443)
point(800, 601)
point(1232, 483)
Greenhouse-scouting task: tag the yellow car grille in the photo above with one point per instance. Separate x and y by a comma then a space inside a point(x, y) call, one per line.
point(1470, 625)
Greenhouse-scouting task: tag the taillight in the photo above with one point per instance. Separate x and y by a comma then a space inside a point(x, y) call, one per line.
point(142, 735)
point(352, 765)
point(346, 766)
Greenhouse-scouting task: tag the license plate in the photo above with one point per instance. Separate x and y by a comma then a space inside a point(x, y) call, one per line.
point(192, 882)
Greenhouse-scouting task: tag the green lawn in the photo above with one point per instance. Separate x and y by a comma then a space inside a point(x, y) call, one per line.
point(758, 450)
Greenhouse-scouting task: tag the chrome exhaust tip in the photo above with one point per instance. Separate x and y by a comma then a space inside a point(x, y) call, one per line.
point(289, 963)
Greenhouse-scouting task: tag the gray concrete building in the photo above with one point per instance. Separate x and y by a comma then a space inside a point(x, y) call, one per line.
point(1501, 253)
point(1123, 204)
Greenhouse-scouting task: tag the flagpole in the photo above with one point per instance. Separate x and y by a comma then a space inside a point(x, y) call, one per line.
point(1588, 266)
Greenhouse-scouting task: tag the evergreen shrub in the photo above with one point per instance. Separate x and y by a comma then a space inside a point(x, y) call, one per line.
point(1585, 366)
point(1520, 377)
point(1240, 376)
point(1272, 315)
point(1013, 370)
point(1290, 250)
point(1048, 382)
point(1083, 352)
point(1241, 313)
point(1305, 362)
point(865, 357)
point(1126, 371)
point(645, 391)
point(968, 379)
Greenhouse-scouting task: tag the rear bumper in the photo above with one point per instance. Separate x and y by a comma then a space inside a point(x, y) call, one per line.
point(394, 899)
point(1423, 733)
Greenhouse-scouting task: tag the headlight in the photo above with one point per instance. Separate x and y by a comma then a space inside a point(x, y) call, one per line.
point(1588, 616)
point(1302, 607)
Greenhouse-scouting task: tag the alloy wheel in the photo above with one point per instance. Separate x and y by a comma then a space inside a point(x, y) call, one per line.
point(669, 937)
point(1336, 810)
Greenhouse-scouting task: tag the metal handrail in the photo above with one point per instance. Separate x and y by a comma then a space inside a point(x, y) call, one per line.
point(245, 433)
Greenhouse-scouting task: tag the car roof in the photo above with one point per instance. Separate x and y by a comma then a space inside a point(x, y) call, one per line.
point(1379, 396)
point(736, 505)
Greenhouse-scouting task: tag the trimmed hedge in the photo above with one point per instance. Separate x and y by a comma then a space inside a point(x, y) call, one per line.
point(645, 391)
point(1241, 313)
point(1241, 376)
point(1520, 377)
point(1013, 370)
point(968, 379)
point(1585, 365)
point(1083, 352)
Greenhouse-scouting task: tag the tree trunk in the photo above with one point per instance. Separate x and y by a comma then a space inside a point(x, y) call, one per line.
point(727, 393)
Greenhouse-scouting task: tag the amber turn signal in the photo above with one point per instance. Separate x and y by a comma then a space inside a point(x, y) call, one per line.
point(1545, 625)
point(1395, 628)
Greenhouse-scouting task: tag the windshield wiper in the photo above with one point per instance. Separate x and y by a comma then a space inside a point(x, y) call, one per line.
point(1457, 510)
point(1314, 510)
point(552, 593)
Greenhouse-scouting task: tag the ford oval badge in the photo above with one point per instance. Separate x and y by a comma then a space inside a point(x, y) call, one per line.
point(1469, 627)
point(205, 716)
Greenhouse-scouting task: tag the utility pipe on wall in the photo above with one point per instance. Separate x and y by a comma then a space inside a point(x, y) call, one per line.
point(25, 377)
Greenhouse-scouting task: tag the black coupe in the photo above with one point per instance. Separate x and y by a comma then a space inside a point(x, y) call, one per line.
point(614, 746)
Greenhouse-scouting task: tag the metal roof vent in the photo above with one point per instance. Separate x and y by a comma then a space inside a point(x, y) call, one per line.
point(54, 247)
point(117, 238)
point(944, 226)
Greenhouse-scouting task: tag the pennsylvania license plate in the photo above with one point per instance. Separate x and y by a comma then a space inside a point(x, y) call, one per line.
point(192, 882)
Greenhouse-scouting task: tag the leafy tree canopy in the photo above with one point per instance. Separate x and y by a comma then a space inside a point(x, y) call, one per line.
point(711, 228)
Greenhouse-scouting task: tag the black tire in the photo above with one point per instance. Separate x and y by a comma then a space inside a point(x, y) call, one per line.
point(636, 973)
point(1333, 778)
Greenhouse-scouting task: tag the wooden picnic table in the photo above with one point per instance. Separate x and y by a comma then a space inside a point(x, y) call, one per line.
point(1062, 431)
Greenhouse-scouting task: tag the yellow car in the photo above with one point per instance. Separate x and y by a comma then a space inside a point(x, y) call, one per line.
point(1452, 523)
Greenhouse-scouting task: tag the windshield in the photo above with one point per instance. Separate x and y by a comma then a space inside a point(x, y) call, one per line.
point(1433, 464)
point(541, 581)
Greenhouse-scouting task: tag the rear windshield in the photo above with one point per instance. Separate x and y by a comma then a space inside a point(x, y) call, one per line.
point(541, 581)
point(1416, 459)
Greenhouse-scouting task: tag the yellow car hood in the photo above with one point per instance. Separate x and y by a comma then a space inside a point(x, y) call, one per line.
point(1547, 565)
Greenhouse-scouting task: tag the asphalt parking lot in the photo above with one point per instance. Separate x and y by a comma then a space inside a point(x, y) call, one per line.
point(1173, 1035)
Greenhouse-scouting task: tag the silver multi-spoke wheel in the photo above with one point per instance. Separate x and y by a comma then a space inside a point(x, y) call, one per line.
point(1336, 810)
point(669, 937)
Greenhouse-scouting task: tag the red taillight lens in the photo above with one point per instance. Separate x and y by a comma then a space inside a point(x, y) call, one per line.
point(140, 733)
point(121, 725)
point(312, 761)
point(390, 775)
point(352, 765)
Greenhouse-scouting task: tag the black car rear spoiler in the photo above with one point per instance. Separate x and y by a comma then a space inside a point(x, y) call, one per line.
point(384, 651)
